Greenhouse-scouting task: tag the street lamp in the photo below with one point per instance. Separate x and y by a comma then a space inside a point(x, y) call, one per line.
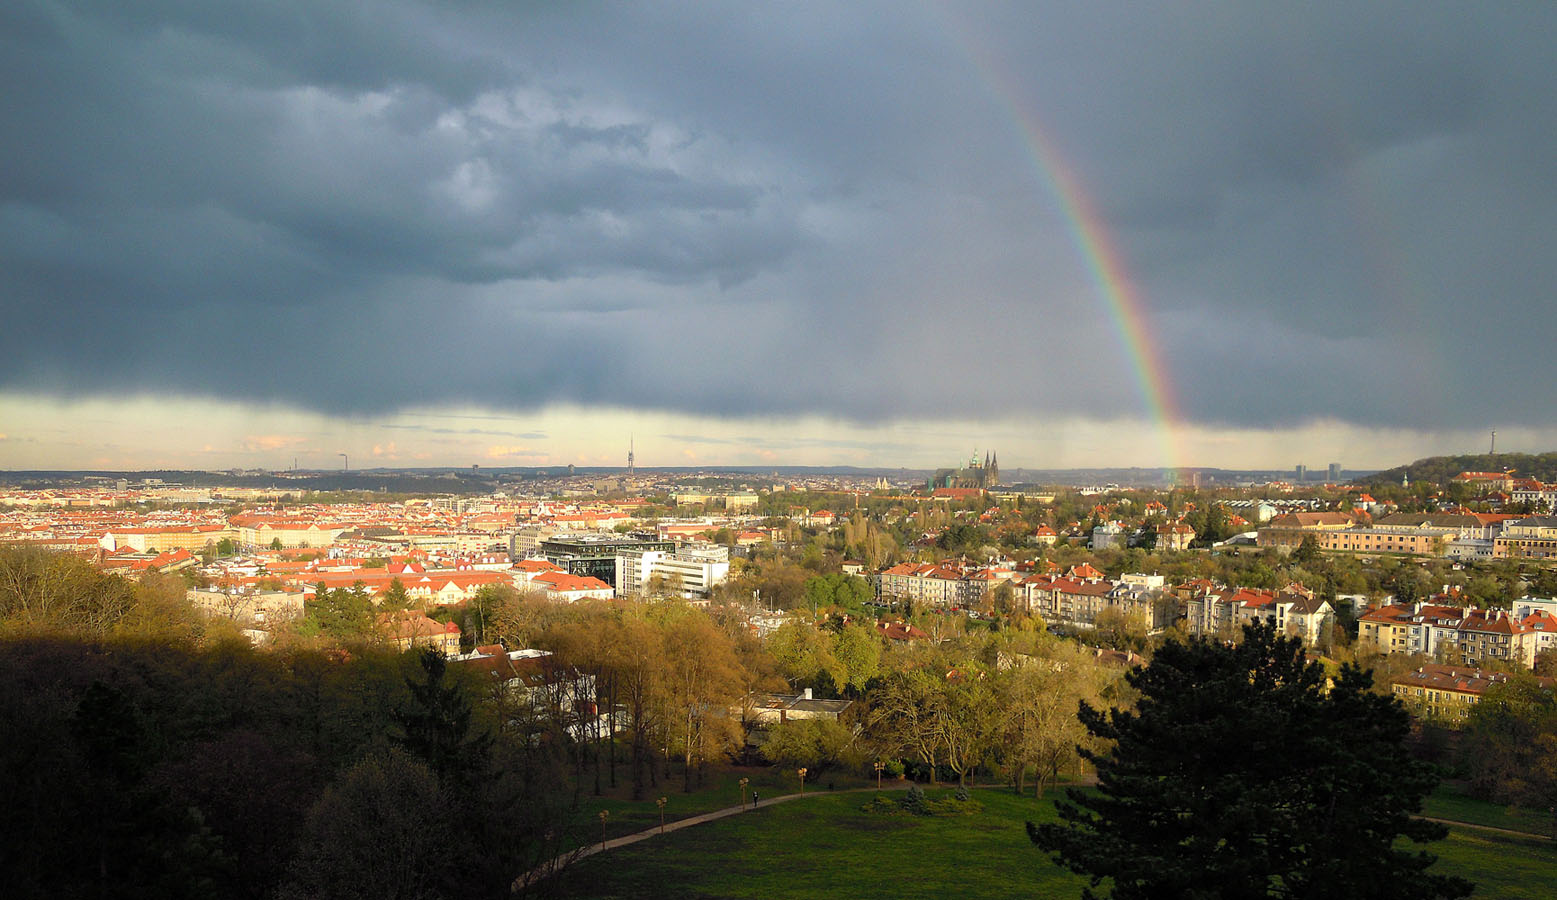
point(802, 773)
point(661, 804)
point(879, 766)
point(744, 782)
point(604, 815)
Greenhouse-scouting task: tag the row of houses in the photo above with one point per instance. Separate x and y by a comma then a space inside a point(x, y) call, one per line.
point(1163, 537)
point(1073, 599)
point(1457, 535)
point(1448, 693)
point(1443, 630)
point(1076, 601)
point(1216, 611)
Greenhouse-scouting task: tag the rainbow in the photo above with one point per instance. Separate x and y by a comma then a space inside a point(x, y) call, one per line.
point(1104, 262)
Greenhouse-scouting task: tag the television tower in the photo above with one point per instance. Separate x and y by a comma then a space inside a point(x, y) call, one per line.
point(629, 456)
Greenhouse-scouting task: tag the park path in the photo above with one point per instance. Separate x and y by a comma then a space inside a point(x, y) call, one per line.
point(1508, 831)
point(557, 864)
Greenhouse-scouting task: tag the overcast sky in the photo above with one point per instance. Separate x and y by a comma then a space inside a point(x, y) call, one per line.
point(747, 233)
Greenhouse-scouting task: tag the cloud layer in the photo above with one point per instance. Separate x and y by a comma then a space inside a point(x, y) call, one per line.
point(1329, 211)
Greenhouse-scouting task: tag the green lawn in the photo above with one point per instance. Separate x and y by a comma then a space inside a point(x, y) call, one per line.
point(1499, 864)
point(719, 789)
point(1449, 803)
point(828, 846)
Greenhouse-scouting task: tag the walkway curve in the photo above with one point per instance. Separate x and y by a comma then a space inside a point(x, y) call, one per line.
point(1508, 831)
point(557, 864)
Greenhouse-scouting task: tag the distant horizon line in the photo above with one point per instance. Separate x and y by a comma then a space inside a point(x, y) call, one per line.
point(477, 469)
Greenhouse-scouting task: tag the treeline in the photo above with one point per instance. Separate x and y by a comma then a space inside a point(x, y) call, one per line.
point(158, 768)
point(662, 680)
point(1507, 749)
point(1441, 469)
point(680, 689)
point(42, 592)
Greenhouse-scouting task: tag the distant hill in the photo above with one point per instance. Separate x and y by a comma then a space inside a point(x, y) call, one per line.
point(1439, 469)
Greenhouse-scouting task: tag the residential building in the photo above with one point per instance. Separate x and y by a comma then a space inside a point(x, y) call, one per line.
point(1289, 529)
point(1447, 693)
point(406, 629)
point(250, 609)
point(1534, 537)
point(1478, 634)
point(774, 709)
point(1173, 536)
point(545, 685)
point(1074, 602)
point(1222, 612)
point(1109, 535)
point(565, 587)
point(923, 584)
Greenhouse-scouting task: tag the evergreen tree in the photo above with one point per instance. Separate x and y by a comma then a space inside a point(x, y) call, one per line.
point(436, 727)
point(395, 596)
point(1239, 775)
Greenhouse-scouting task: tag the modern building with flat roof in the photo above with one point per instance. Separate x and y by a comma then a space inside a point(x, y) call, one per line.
point(594, 553)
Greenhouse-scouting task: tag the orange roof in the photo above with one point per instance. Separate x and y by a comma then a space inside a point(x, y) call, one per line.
point(567, 583)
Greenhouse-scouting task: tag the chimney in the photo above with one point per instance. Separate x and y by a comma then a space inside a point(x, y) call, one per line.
point(806, 694)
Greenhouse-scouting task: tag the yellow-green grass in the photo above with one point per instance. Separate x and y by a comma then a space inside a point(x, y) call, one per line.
point(719, 788)
point(1449, 803)
point(828, 846)
point(1501, 865)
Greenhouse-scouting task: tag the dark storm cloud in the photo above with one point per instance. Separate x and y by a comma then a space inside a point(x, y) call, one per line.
point(1327, 210)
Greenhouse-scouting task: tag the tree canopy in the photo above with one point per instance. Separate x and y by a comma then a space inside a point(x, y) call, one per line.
point(1240, 775)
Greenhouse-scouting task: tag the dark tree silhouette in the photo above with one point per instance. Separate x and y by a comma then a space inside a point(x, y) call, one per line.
point(436, 727)
point(1240, 775)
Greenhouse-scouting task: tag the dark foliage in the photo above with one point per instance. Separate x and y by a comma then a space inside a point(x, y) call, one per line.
point(1440, 469)
point(156, 769)
point(1239, 775)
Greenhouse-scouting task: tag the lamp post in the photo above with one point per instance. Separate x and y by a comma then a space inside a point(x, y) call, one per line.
point(802, 773)
point(879, 766)
point(661, 804)
point(604, 815)
point(744, 782)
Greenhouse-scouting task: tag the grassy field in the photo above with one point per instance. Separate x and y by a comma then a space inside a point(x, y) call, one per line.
point(828, 846)
point(720, 788)
point(1449, 803)
point(1501, 865)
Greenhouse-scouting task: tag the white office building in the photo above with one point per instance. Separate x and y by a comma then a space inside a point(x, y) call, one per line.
point(696, 569)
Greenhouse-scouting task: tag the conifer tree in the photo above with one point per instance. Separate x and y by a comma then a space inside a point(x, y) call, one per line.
point(1240, 775)
point(436, 727)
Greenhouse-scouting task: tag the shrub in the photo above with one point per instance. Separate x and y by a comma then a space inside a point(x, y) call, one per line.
point(914, 801)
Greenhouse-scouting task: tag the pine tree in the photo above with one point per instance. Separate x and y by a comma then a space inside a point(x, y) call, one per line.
point(436, 727)
point(1240, 775)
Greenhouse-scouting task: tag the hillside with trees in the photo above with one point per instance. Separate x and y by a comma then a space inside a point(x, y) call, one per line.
point(1440, 469)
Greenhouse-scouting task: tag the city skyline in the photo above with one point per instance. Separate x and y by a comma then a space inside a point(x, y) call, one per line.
point(126, 435)
point(876, 234)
